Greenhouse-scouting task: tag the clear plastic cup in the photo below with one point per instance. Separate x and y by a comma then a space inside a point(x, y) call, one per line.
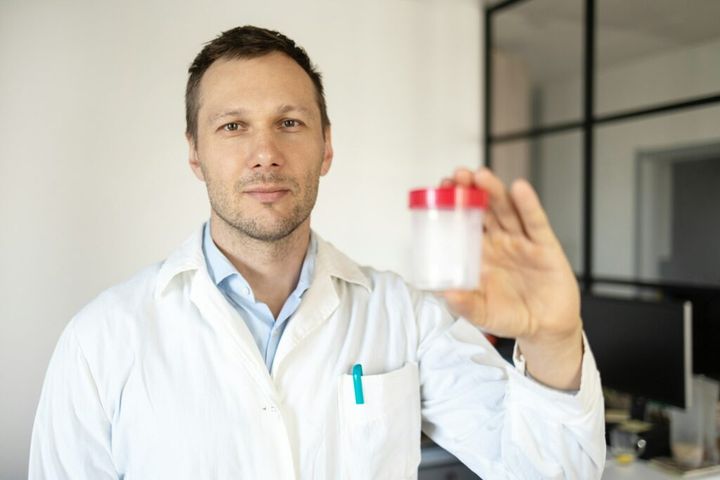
point(686, 436)
point(710, 393)
point(692, 431)
point(626, 445)
point(686, 429)
point(447, 231)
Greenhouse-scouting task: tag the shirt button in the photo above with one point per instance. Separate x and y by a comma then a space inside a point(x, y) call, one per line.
point(246, 290)
point(275, 333)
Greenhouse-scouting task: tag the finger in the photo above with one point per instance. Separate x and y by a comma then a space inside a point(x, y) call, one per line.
point(469, 304)
point(500, 201)
point(447, 182)
point(490, 222)
point(463, 177)
point(491, 256)
point(533, 216)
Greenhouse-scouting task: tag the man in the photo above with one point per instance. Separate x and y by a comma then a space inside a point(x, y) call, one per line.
point(233, 357)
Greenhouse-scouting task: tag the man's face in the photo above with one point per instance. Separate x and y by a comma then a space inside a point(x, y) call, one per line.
point(260, 147)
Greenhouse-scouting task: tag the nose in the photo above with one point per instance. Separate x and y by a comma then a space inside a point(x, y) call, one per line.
point(265, 152)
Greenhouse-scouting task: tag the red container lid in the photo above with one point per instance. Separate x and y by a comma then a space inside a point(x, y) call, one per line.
point(449, 197)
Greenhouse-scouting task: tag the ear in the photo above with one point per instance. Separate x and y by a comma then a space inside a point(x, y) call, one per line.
point(193, 158)
point(328, 154)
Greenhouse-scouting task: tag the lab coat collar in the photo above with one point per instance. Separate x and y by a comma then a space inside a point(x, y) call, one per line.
point(318, 304)
point(189, 257)
point(331, 261)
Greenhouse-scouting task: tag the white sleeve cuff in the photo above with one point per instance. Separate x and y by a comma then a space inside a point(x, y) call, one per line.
point(529, 393)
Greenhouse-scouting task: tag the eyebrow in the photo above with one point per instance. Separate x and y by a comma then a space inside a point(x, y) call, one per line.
point(293, 108)
point(282, 109)
point(227, 113)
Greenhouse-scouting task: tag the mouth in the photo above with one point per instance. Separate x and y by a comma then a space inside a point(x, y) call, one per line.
point(267, 193)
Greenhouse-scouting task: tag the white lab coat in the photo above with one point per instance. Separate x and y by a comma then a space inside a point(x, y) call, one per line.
point(159, 378)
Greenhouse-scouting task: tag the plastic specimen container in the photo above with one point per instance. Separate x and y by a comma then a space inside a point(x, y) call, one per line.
point(447, 231)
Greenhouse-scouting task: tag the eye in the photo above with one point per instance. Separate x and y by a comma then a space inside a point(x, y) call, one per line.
point(290, 123)
point(231, 127)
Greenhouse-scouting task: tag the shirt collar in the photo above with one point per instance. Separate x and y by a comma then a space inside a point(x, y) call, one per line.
point(220, 268)
point(329, 261)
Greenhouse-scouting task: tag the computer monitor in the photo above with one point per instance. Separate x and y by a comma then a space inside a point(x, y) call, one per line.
point(641, 347)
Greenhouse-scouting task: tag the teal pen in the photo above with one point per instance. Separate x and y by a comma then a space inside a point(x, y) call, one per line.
point(357, 383)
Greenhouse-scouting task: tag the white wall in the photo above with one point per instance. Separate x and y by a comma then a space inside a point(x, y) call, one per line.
point(93, 177)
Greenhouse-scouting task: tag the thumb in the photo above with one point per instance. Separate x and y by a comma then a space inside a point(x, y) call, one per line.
point(469, 304)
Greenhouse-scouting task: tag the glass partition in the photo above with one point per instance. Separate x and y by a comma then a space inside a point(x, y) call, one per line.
point(655, 52)
point(537, 65)
point(657, 191)
point(553, 165)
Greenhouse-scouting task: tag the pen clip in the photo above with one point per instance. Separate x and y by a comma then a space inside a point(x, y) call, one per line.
point(357, 383)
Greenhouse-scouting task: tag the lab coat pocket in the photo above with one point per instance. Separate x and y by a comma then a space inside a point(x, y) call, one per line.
point(380, 438)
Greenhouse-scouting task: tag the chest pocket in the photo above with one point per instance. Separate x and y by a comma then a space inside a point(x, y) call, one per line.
point(380, 439)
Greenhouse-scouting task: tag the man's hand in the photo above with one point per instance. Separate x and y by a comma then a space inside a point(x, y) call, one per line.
point(528, 290)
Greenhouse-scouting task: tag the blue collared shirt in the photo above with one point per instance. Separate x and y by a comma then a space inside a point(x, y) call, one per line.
point(265, 329)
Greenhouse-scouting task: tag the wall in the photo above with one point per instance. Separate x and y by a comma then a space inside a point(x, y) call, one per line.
point(94, 182)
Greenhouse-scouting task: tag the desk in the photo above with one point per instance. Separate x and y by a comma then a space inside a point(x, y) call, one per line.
point(438, 464)
point(640, 470)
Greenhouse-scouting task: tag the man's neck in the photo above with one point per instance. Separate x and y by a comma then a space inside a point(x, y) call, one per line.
point(271, 268)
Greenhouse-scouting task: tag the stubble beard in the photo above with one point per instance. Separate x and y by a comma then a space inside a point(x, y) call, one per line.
point(275, 229)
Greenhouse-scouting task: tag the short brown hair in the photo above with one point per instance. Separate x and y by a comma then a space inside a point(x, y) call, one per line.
point(246, 42)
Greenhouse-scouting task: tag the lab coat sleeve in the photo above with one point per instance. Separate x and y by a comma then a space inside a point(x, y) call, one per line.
point(71, 434)
point(496, 420)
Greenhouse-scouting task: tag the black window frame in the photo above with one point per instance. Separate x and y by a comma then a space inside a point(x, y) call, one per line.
point(586, 125)
point(705, 298)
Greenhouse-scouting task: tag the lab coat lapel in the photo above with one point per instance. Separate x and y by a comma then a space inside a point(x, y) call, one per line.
point(215, 309)
point(318, 304)
point(321, 300)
